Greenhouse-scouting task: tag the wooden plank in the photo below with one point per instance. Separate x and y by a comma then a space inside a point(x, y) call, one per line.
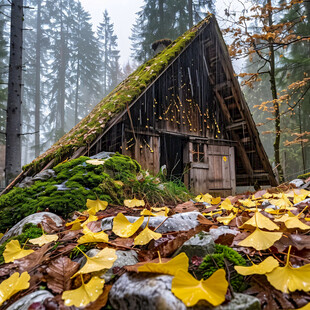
point(232, 170)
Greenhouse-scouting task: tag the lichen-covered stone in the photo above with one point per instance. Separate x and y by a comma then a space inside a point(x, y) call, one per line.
point(200, 245)
point(297, 183)
point(144, 291)
point(25, 302)
point(176, 222)
point(240, 302)
point(32, 219)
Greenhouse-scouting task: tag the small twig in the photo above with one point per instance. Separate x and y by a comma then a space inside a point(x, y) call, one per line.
point(161, 223)
point(228, 278)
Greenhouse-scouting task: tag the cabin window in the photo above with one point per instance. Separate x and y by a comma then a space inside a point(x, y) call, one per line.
point(198, 152)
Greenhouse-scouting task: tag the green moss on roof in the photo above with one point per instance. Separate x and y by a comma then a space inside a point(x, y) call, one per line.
point(124, 94)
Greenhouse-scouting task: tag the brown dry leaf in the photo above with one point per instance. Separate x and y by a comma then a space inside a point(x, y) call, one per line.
point(94, 226)
point(269, 297)
point(169, 243)
point(34, 259)
point(69, 235)
point(101, 300)
point(59, 273)
point(49, 226)
point(123, 242)
point(185, 207)
point(204, 221)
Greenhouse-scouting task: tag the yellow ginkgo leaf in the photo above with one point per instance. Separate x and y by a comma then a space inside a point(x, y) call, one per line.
point(264, 267)
point(292, 222)
point(260, 221)
point(95, 205)
point(299, 198)
point(150, 213)
point(204, 198)
point(103, 260)
point(145, 236)
point(288, 279)
point(132, 203)
point(216, 200)
point(12, 285)
point(226, 219)
point(283, 202)
point(44, 239)
point(14, 251)
point(261, 240)
point(212, 213)
point(76, 224)
point(306, 307)
point(123, 228)
point(180, 262)
point(248, 203)
point(190, 291)
point(267, 196)
point(226, 204)
point(90, 236)
point(91, 218)
point(166, 209)
point(95, 162)
point(85, 294)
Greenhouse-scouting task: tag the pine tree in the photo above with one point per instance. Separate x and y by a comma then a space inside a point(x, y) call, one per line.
point(109, 53)
point(159, 19)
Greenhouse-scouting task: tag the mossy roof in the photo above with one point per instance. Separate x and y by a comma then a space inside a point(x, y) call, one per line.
point(90, 127)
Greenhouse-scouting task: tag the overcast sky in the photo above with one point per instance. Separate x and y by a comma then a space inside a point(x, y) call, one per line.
point(123, 16)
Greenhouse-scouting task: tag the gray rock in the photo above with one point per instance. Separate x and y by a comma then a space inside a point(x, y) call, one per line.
point(199, 245)
point(177, 222)
point(27, 182)
point(153, 292)
point(306, 185)
point(44, 175)
point(124, 258)
point(33, 219)
point(241, 302)
point(297, 183)
point(102, 155)
point(26, 301)
point(144, 291)
point(220, 231)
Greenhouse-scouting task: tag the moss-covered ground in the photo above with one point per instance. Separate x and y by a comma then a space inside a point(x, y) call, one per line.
point(76, 181)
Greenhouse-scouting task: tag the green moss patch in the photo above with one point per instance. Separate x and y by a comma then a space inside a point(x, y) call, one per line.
point(304, 176)
point(216, 261)
point(76, 181)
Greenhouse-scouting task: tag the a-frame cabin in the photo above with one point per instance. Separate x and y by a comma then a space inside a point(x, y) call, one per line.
point(184, 109)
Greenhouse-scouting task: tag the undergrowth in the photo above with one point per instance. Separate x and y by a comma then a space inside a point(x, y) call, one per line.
point(213, 262)
point(76, 181)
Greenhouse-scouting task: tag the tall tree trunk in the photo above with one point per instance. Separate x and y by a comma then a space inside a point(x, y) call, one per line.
point(273, 86)
point(190, 13)
point(38, 82)
point(62, 79)
point(13, 125)
point(77, 90)
point(161, 28)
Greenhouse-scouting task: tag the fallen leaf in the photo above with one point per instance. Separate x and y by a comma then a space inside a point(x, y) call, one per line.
point(146, 236)
point(292, 222)
point(95, 205)
point(90, 236)
point(14, 251)
point(260, 221)
point(204, 221)
point(44, 239)
point(190, 291)
point(132, 203)
point(12, 285)
point(264, 267)
point(180, 262)
point(204, 198)
point(216, 201)
point(49, 225)
point(226, 219)
point(123, 228)
point(150, 213)
point(101, 301)
point(59, 273)
point(95, 162)
point(283, 202)
point(103, 260)
point(260, 240)
point(85, 294)
point(299, 198)
point(248, 203)
point(91, 218)
point(226, 204)
point(76, 224)
point(289, 279)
